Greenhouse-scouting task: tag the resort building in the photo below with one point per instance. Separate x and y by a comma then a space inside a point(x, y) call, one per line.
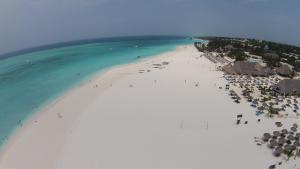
point(229, 48)
point(288, 87)
point(247, 68)
point(284, 70)
point(271, 55)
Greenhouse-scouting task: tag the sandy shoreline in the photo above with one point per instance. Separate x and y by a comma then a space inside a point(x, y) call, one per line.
point(169, 117)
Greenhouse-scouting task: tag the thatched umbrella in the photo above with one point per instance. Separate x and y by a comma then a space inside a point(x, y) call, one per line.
point(276, 133)
point(290, 137)
point(261, 108)
point(245, 91)
point(288, 148)
point(281, 141)
point(282, 135)
point(272, 166)
point(266, 137)
point(278, 151)
point(278, 124)
point(294, 129)
point(273, 143)
point(295, 125)
point(297, 143)
point(284, 131)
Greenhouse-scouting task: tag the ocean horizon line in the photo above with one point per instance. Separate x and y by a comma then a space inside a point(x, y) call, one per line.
point(70, 43)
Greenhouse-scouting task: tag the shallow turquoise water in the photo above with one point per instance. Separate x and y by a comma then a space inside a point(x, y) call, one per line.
point(30, 81)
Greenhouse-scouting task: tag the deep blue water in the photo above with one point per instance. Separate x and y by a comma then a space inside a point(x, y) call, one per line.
point(28, 81)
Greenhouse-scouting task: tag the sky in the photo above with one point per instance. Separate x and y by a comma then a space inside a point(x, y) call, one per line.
point(30, 23)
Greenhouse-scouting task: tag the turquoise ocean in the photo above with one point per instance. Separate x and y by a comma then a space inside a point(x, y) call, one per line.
point(33, 78)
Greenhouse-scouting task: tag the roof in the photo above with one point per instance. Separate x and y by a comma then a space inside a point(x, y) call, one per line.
point(229, 47)
point(271, 55)
point(284, 70)
point(288, 87)
point(247, 68)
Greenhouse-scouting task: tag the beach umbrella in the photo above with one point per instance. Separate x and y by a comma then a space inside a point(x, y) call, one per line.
point(284, 131)
point(282, 134)
point(272, 166)
point(297, 143)
point(244, 91)
point(260, 108)
point(290, 137)
point(278, 124)
point(295, 125)
point(273, 143)
point(294, 129)
point(288, 148)
point(281, 141)
point(278, 151)
point(266, 137)
point(276, 133)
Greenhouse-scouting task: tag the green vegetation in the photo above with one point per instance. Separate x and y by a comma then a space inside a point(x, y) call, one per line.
point(272, 53)
point(237, 54)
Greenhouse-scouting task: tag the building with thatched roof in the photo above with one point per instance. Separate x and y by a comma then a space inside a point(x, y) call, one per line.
point(229, 47)
point(271, 55)
point(288, 87)
point(284, 70)
point(247, 68)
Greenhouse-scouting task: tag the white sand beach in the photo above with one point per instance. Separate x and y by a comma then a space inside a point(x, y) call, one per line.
point(168, 116)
